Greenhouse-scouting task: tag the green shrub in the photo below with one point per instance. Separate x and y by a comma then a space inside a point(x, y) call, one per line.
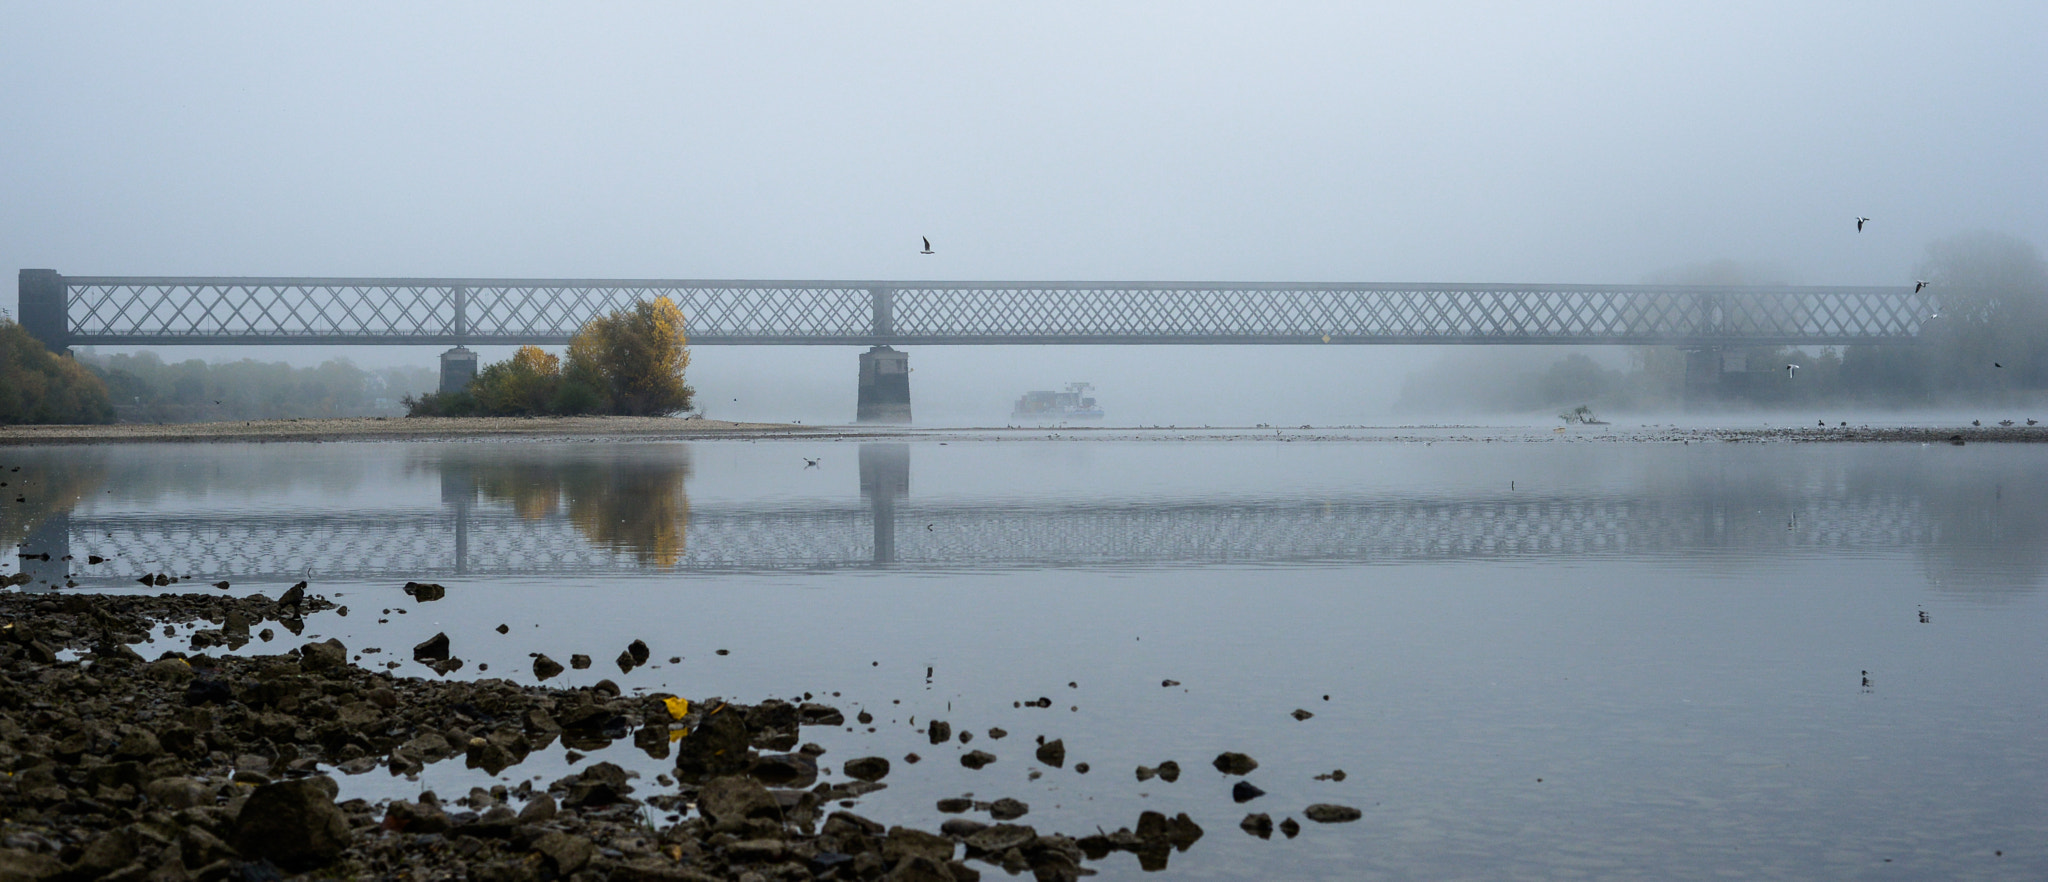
point(39, 386)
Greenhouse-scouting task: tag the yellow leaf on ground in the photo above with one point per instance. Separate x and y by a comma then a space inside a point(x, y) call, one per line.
point(677, 707)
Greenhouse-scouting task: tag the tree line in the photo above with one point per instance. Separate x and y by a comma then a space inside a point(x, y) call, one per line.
point(1987, 341)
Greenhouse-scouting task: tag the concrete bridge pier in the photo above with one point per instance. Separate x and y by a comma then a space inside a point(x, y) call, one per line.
point(458, 367)
point(884, 386)
point(1703, 366)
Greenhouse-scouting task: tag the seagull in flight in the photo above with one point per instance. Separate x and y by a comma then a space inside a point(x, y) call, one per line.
point(810, 463)
point(1791, 369)
point(1860, 222)
point(927, 245)
point(1919, 284)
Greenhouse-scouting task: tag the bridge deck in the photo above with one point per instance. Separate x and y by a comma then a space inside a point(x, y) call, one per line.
point(131, 310)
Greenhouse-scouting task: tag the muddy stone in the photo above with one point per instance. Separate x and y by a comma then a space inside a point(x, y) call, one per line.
point(1244, 792)
point(1235, 763)
point(867, 768)
point(579, 662)
point(1007, 809)
point(1053, 753)
point(975, 759)
point(545, 668)
point(433, 649)
point(939, 731)
point(293, 824)
point(425, 591)
point(1330, 813)
point(1260, 825)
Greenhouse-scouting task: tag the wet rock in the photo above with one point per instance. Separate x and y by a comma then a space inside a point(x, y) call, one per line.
point(717, 746)
point(293, 824)
point(564, 852)
point(173, 794)
point(1053, 753)
point(975, 759)
point(1169, 771)
point(638, 651)
point(918, 868)
point(1244, 792)
point(999, 838)
point(323, 656)
point(1300, 714)
point(1331, 813)
point(293, 597)
point(1337, 775)
point(579, 661)
point(425, 591)
point(169, 670)
point(729, 801)
point(1291, 827)
point(939, 731)
point(545, 668)
point(1007, 809)
point(867, 768)
point(626, 663)
point(504, 628)
point(539, 809)
point(434, 648)
point(812, 714)
point(785, 770)
point(1260, 825)
point(904, 842)
point(954, 805)
point(1235, 763)
point(403, 816)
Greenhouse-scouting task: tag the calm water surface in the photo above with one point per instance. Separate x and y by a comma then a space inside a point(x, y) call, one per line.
point(1531, 660)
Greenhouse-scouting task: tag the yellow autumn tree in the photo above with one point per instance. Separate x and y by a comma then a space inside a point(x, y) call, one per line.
point(524, 385)
point(634, 358)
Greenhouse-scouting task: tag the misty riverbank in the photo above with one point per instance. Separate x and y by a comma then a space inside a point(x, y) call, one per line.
point(671, 429)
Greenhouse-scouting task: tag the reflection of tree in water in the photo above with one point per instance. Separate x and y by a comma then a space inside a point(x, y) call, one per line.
point(47, 486)
point(635, 502)
point(1989, 530)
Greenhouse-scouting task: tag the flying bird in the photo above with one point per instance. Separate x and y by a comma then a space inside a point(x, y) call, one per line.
point(927, 245)
point(1997, 365)
point(1860, 222)
point(1917, 285)
point(810, 463)
point(1791, 369)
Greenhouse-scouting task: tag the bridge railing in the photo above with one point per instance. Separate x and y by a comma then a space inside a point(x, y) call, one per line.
point(81, 310)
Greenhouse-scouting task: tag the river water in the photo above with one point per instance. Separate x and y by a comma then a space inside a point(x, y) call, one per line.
point(1531, 658)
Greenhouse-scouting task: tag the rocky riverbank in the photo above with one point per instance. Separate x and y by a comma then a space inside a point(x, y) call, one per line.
point(212, 767)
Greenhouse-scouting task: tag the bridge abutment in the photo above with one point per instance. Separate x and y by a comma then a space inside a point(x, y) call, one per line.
point(44, 301)
point(884, 386)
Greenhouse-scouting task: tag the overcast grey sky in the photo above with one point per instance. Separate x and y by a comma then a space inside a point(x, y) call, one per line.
point(1563, 142)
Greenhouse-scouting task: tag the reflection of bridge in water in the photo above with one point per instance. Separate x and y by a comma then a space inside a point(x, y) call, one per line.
point(889, 527)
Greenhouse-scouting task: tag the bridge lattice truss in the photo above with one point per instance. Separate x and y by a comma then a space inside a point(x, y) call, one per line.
point(424, 543)
point(147, 310)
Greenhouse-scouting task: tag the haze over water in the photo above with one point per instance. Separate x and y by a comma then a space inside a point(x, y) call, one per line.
point(1674, 639)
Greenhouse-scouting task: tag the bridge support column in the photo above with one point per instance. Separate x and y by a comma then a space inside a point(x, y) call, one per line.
point(884, 386)
point(1702, 376)
point(458, 367)
point(44, 307)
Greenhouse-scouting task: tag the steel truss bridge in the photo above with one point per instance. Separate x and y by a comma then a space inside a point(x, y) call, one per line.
point(466, 540)
point(67, 311)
